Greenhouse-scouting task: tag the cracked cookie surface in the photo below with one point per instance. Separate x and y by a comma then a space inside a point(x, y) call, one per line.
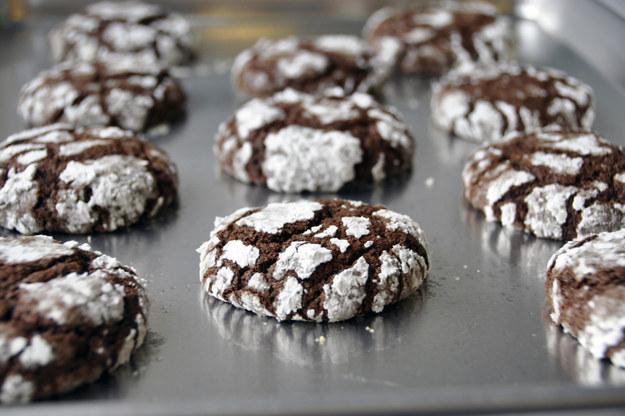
point(68, 314)
point(308, 65)
point(294, 142)
point(486, 104)
point(327, 260)
point(60, 179)
point(122, 93)
point(585, 288)
point(435, 38)
point(111, 30)
point(555, 184)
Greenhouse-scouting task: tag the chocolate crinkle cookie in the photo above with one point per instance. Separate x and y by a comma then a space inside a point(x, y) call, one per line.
point(554, 184)
point(60, 179)
point(306, 64)
point(67, 315)
point(109, 30)
point(586, 291)
point(123, 93)
point(326, 260)
point(434, 38)
point(487, 103)
point(294, 142)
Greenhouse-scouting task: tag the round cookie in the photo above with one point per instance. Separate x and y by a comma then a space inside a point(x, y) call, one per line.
point(327, 260)
point(308, 65)
point(106, 31)
point(586, 291)
point(67, 315)
point(293, 142)
point(122, 93)
point(554, 184)
point(60, 179)
point(432, 39)
point(487, 103)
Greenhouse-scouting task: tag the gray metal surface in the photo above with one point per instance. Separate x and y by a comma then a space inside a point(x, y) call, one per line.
point(474, 339)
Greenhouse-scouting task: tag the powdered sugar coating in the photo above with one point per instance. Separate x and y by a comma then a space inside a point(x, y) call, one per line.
point(308, 65)
point(15, 251)
point(586, 289)
point(274, 216)
point(300, 158)
point(486, 104)
point(437, 37)
point(549, 184)
point(111, 30)
point(102, 93)
point(316, 267)
point(71, 314)
point(72, 297)
point(302, 258)
point(294, 142)
point(86, 173)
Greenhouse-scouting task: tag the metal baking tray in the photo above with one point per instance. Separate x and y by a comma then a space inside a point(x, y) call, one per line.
point(475, 339)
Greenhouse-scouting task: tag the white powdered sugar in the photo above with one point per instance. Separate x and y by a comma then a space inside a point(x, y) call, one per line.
point(388, 281)
point(404, 223)
point(18, 196)
point(592, 256)
point(419, 35)
point(258, 282)
point(274, 216)
point(37, 353)
point(130, 109)
point(241, 254)
point(434, 18)
point(301, 257)
point(255, 114)
point(75, 148)
point(344, 296)
point(305, 159)
point(582, 144)
point(558, 163)
point(9, 152)
point(508, 214)
point(10, 347)
point(16, 389)
point(328, 232)
point(77, 298)
point(343, 245)
point(120, 184)
point(546, 210)
point(604, 328)
point(299, 64)
point(343, 44)
point(592, 307)
point(31, 249)
point(329, 111)
point(356, 226)
point(218, 285)
point(504, 181)
point(390, 128)
point(290, 298)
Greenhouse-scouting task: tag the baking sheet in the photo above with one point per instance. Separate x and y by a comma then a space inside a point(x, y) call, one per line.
point(474, 339)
